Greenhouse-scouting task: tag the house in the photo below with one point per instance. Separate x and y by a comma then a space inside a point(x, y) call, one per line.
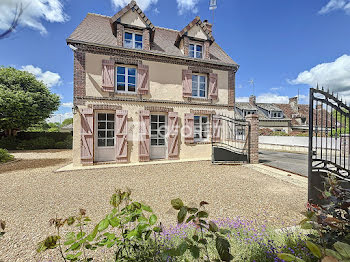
point(270, 115)
point(143, 92)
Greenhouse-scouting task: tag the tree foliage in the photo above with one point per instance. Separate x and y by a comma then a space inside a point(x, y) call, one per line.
point(24, 101)
point(67, 121)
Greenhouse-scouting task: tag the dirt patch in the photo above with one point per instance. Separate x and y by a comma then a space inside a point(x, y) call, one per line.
point(21, 164)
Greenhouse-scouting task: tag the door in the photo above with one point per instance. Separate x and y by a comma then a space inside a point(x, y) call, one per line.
point(158, 149)
point(105, 137)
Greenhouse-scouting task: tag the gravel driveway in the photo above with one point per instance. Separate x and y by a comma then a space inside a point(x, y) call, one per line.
point(31, 196)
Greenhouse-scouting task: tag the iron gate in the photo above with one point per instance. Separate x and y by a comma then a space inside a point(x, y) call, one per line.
point(329, 146)
point(229, 139)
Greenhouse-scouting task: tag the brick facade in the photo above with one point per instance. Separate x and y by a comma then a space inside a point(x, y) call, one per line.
point(253, 133)
point(186, 46)
point(79, 75)
point(206, 54)
point(146, 40)
point(231, 89)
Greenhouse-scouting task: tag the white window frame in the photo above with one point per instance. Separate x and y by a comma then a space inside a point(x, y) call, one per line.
point(133, 40)
point(195, 52)
point(106, 130)
point(198, 86)
point(126, 80)
point(200, 129)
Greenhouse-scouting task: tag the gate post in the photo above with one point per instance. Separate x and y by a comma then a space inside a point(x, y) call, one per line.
point(253, 144)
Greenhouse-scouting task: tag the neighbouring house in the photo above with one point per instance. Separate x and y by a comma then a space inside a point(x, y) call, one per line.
point(143, 92)
point(67, 128)
point(270, 115)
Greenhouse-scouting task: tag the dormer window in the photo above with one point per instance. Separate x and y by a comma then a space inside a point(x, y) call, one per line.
point(196, 51)
point(276, 115)
point(133, 40)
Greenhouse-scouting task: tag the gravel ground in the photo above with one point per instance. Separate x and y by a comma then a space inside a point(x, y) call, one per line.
point(31, 196)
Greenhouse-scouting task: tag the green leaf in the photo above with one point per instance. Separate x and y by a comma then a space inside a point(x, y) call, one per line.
point(343, 249)
point(181, 215)
point(148, 234)
point(177, 203)
point(286, 257)
point(189, 241)
point(332, 253)
point(223, 248)
point(146, 208)
point(314, 249)
point(103, 224)
point(93, 234)
point(181, 249)
point(80, 235)
point(203, 241)
point(306, 225)
point(70, 221)
point(132, 234)
point(114, 222)
point(190, 218)
point(195, 238)
point(157, 229)
point(153, 220)
point(202, 214)
point(75, 246)
point(194, 251)
point(213, 227)
point(142, 220)
point(224, 231)
point(192, 210)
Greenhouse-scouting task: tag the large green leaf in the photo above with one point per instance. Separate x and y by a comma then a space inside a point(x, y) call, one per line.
point(182, 214)
point(213, 227)
point(181, 249)
point(315, 250)
point(202, 214)
point(343, 249)
point(114, 221)
point(153, 220)
point(332, 253)
point(177, 203)
point(146, 208)
point(195, 251)
point(223, 248)
point(288, 257)
point(103, 224)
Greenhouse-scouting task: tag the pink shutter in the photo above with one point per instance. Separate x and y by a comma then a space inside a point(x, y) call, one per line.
point(189, 128)
point(144, 140)
point(186, 83)
point(173, 139)
point(87, 135)
point(216, 128)
point(213, 86)
point(121, 129)
point(143, 79)
point(108, 68)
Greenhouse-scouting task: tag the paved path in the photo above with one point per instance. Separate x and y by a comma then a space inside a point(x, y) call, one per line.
point(292, 162)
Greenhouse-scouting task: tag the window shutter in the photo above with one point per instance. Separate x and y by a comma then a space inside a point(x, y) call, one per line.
point(173, 139)
point(121, 129)
point(213, 86)
point(186, 83)
point(143, 79)
point(108, 68)
point(144, 139)
point(189, 128)
point(87, 135)
point(216, 128)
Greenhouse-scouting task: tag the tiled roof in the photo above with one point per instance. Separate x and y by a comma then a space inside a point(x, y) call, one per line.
point(268, 107)
point(196, 21)
point(245, 106)
point(96, 29)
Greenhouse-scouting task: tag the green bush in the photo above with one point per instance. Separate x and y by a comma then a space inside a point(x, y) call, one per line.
point(5, 156)
point(39, 140)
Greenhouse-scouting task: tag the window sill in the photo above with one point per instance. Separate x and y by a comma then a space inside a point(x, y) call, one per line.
point(113, 94)
point(201, 142)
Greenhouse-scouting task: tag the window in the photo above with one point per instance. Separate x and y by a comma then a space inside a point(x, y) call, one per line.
point(199, 86)
point(105, 130)
point(196, 51)
point(276, 114)
point(132, 40)
point(126, 79)
point(201, 128)
point(249, 112)
point(158, 128)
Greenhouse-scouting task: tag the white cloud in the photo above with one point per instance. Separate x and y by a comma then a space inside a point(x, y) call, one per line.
point(187, 5)
point(334, 5)
point(68, 105)
point(143, 4)
point(59, 117)
point(49, 78)
point(334, 76)
point(34, 12)
point(242, 99)
point(272, 98)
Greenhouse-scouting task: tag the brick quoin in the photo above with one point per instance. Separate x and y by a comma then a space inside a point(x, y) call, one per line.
point(254, 138)
point(231, 89)
point(146, 40)
point(79, 74)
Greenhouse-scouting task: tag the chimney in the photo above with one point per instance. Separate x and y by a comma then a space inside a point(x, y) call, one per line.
point(208, 25)
point(252, 100)
point(293, 102)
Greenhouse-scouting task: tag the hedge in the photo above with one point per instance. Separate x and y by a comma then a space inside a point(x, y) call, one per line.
point(37, 140)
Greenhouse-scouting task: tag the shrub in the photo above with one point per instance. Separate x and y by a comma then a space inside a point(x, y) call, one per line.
point(5, 156)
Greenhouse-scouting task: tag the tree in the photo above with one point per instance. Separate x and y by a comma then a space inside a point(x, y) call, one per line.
point(67, 121)
point(24, 101)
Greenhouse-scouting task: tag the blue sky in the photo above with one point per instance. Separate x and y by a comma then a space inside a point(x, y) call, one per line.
point(283, 45)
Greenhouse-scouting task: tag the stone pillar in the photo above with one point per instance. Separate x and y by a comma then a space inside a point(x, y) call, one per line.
point(253, 149)
point(79, 75)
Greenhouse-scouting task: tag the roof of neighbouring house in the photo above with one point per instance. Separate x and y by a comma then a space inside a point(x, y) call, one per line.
point(262, 116)
point(67, 127)
point(268, 107)
point(96, 29)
